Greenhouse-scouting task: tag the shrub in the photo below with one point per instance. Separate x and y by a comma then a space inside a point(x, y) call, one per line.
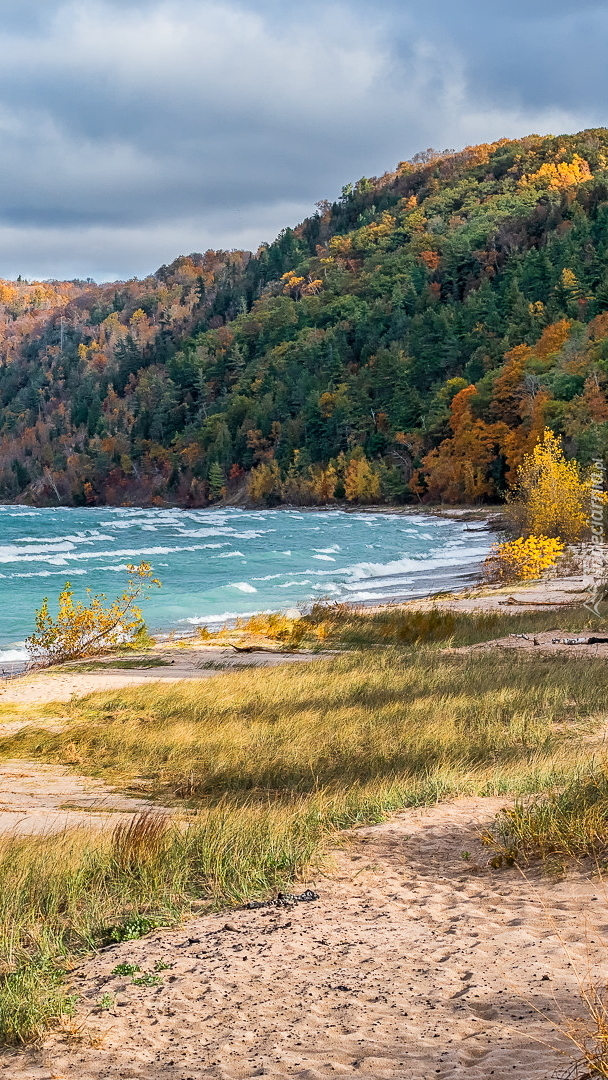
point(94, 627)
point(522, 559)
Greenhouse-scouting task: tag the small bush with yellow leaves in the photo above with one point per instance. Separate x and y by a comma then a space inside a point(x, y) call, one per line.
point(523, 559)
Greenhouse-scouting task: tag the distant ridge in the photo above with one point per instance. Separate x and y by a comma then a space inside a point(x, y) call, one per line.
point(407, 342)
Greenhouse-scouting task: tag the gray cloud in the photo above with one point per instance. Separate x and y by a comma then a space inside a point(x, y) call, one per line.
point(133, 131)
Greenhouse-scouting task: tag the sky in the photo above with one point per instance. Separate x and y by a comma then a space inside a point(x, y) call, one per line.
point(132, 131)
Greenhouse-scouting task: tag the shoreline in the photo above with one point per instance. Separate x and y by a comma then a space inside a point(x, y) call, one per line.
point(459, 512)
point(185, 658)
point(487, 518)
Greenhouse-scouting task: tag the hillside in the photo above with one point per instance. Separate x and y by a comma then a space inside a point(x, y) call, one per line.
point(406, 342)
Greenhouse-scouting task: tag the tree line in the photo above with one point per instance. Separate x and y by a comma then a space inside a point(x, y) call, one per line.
point(410, 341)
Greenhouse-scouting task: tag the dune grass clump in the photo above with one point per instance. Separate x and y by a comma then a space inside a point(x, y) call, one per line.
point(568, 823)
point(339, 625)
point(336, 625)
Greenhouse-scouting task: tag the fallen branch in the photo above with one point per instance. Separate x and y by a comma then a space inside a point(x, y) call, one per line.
point(510, 601)
point(580, 641)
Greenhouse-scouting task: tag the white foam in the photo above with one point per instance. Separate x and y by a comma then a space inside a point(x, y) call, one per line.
point(230, 555)
point(242, 586)
point(224, 616)
point(199, 534)
point(436, 559)
point(73, 572)
point(13, 553)
point(382, 583)
point(14, 654)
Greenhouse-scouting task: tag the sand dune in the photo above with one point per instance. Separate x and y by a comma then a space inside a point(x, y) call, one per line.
point(413, 964)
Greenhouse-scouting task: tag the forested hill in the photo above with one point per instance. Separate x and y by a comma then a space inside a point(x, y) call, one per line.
point(409, 341)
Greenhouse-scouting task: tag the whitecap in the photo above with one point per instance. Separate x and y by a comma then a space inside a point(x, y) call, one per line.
point(224, 616)
point(12, 553)
point(432, 560)
point(242, 586)
point(47, 573)
point(324, 558)
point(17, 655)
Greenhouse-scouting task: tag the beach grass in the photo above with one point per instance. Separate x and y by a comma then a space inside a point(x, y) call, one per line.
point(269, 766)
point(334, 723)
point(338, 625)
point(343, 625)
point(567, 823)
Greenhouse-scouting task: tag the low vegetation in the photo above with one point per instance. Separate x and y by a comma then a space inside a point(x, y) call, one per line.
point(98, 626)
point(267, 771)
point(375, 718)
point(337, 626)
point(570, 822)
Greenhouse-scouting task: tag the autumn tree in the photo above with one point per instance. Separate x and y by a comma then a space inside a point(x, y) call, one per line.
point(97, 626)
point(552, 496)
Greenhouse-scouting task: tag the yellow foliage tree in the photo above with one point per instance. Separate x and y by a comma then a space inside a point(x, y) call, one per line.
point(264, 481)
point(551, 497)
point(92, 628)
point(558, 177)
point(324, 482)
point(361, 481)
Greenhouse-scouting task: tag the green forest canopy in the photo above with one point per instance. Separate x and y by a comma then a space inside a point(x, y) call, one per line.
point(407, 342)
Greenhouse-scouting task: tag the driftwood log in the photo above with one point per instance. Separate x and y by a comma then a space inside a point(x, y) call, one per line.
point(538, 603)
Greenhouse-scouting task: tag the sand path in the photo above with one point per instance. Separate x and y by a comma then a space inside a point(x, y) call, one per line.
point(412, 964)
point(44, 799)
point(57, 684)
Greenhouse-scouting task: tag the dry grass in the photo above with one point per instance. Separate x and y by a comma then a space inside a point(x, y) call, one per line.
point(274, 763)
point(331, 725)
point(338, 625)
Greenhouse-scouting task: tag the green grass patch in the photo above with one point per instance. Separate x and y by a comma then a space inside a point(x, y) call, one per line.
point(112, 664)
point(570, 822)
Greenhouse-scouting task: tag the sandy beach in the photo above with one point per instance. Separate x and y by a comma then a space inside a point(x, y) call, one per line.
point(413, 963)
point(417, 960)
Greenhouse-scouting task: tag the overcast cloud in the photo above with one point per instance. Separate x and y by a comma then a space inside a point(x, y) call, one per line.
point(136, 130)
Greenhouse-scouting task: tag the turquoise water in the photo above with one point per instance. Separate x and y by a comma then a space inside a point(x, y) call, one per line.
point(218, 564)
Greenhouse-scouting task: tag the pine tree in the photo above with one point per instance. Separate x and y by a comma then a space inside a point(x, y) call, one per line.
point(216, 481)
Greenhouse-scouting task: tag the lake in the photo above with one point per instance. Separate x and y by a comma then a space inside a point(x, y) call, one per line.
point(218, 564)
